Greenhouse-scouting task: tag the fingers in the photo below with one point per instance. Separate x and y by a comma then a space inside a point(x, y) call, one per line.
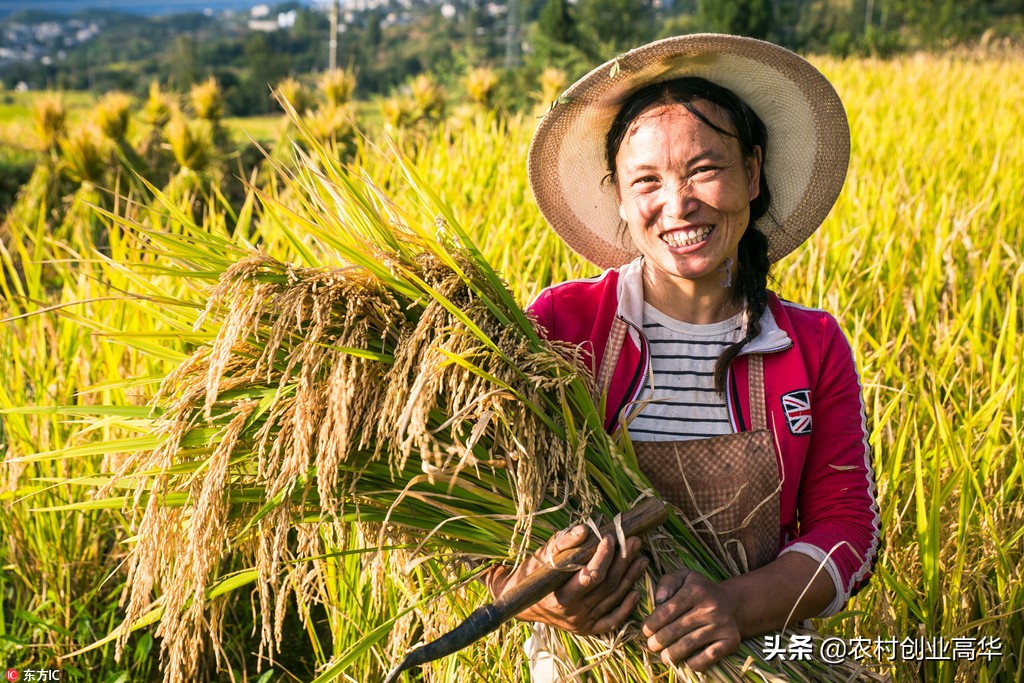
point(669, 584)
point(619, 605)
point(597, 569)
point(712, 653)
point(598, 597)
point(694, 624)
point(671, 599)
point(603, 573)
point(614, 619)
point(701, 649)
point(566, 539)
point(624, 584)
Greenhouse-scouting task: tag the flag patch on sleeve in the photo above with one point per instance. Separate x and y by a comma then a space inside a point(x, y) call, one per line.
point(797, 406)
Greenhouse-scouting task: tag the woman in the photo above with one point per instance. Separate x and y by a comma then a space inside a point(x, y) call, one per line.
point(686, 167)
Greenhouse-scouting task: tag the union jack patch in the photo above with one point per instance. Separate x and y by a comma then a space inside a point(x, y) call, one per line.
point(797, 405)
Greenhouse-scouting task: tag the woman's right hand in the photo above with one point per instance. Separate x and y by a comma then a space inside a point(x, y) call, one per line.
point(597, 599)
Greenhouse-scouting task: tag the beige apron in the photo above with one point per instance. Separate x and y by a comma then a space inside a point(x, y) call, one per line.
point(725, 487)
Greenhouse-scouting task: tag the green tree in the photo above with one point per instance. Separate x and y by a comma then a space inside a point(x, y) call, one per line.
point(184, 70)
point(741, 17)
point(607, 27)
point(266, 66)
point(556, 41)
point(556, 23)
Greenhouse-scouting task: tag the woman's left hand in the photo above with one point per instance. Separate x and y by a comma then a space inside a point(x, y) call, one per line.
point(696, 620)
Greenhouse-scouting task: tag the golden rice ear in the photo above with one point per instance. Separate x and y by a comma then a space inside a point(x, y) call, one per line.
point(333, 126)
point(158, 107)
point(296, 94)
point(429, 97)
point(191, 142)
point(338, 86)
point(397, 111)
point(48, 118)
point(112, 115)
point(481, 84)
point(85, 154)
point(552, 83)
point(207, 100)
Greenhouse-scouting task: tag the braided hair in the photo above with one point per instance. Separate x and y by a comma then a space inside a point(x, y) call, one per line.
point(751, 286)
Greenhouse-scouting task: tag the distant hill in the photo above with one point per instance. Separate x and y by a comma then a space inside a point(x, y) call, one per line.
point(146, 8)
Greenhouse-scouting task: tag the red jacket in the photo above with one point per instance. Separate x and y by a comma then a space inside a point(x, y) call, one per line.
point(828, 507)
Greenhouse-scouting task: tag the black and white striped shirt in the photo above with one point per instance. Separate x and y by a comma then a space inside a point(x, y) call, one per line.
point(679, 401)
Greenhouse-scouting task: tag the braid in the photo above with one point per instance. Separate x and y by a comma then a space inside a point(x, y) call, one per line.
point(752, 288)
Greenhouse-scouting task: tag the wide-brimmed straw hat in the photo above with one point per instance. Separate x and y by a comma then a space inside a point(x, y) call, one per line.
point(807, 153)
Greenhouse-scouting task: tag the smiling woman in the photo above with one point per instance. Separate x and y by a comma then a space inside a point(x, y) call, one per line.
point(688, 166)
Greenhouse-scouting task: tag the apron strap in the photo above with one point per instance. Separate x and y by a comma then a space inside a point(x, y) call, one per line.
point(755, 379)
point(612, 349)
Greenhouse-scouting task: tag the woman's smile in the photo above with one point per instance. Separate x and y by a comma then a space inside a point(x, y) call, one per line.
point(686, 237)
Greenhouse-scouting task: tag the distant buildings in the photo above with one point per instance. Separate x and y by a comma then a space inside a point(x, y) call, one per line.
point(46, 41)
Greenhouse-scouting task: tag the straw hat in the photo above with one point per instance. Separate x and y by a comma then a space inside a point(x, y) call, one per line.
point(808, 139)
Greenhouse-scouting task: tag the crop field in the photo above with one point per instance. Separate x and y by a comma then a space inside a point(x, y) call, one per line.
point(107, 273)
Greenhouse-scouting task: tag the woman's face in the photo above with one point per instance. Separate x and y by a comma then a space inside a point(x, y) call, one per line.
point(684, 191)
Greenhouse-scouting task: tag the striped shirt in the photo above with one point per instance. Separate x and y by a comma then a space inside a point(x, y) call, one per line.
point(679, 401)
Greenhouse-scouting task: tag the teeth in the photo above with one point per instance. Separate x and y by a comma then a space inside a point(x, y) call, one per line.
point(683, 238)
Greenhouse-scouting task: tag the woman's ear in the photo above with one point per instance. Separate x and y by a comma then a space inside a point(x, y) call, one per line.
point(753, 174)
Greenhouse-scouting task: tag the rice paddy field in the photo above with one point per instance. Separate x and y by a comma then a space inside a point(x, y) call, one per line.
point(123, 559)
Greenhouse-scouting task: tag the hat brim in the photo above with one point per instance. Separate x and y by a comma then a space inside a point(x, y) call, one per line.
point(807, 154)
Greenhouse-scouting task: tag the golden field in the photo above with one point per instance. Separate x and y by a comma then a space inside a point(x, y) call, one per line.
point(922, 262)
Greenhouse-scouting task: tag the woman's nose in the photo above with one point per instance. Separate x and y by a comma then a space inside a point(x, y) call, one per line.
point(680, 200)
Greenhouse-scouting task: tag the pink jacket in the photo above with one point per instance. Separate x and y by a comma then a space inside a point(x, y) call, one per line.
point(812, 390)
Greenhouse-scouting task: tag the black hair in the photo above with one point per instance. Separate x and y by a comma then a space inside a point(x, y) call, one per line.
point(751, 284)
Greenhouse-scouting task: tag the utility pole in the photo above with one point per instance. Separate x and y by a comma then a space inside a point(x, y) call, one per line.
point(332, 42)
point(512, 34)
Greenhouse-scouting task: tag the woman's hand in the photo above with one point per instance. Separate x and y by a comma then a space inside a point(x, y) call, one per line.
point(696, 620)
point(597, 599)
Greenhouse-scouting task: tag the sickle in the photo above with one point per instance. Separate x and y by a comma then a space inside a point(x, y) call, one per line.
point(639, 520)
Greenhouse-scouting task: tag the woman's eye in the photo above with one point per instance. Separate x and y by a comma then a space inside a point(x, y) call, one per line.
point(704, 169)
point(645, 180)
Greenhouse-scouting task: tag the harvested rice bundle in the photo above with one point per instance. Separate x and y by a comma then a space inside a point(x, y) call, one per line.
point(401, 409)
